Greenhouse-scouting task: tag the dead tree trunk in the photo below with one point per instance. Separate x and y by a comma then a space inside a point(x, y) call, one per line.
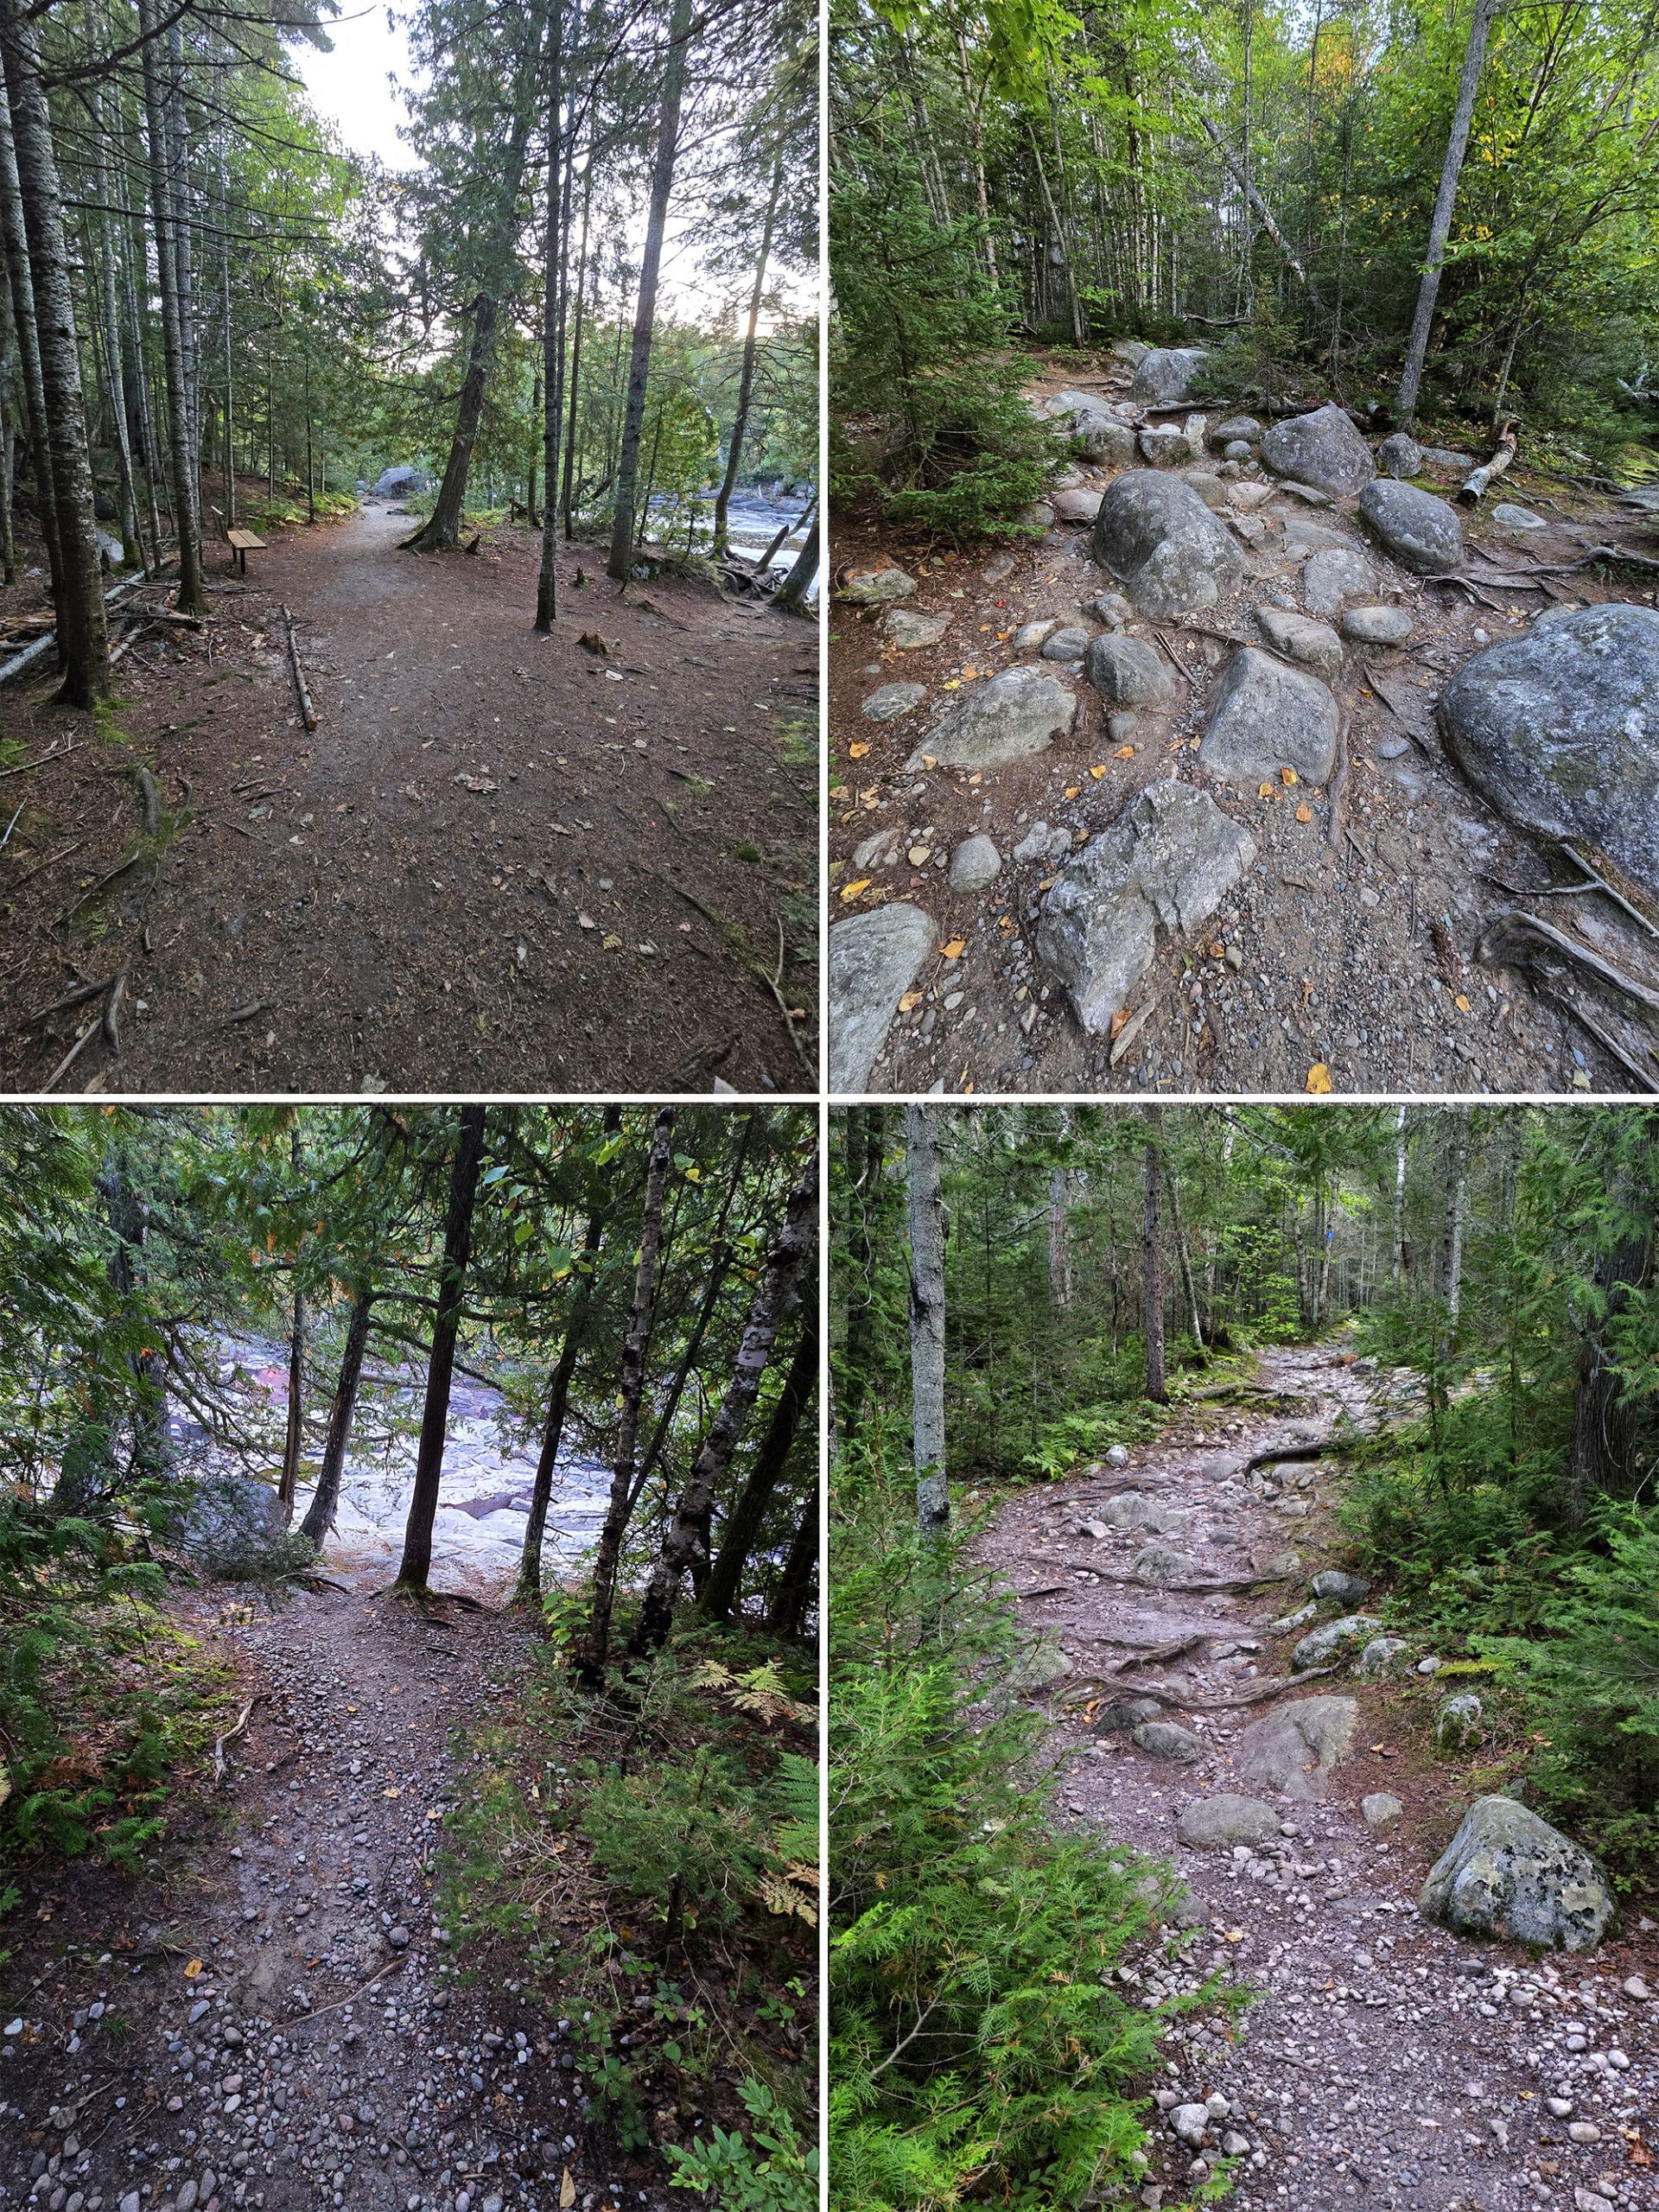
point(926, 1318)
point(743, 1525)
point(325, 1499)
point(1440, 228)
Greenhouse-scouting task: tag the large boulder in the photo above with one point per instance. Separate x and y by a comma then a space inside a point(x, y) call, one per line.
point(1332, 574)
point(1160, 541)
point(1129, 672)
point(1211, 1823)
point(1559, 729)
point(888, 701)
point(1294, 1750)
point(1266, 716)
point(1163, 377)
point(873, 959)
point(234, 1525)
point(1322, 449)
point(1021, 711)
point(1101, 437)
point(1510, 1878)
point(913, 629)
point(397, 483)
point(1171, 856)
point(1314, 644)
point(1422, 532)
point(1167, 1739)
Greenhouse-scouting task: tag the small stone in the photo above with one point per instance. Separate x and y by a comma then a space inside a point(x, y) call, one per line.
point(1191, 2123)
point(1028, 638)
point(1236, 450)
point(1126, 1713)
point(1458, 1724)
point(1326, 1643)
point(397, 1937)
point(1381, 1656)
point(887, 702)
point(1421, 532)
point(1400, 455)
point(1167, 1739)
point(912, 630)
point(1111, 608)
point(1079, 505)
point(1512, 517)
point(1340, 1589)
point(1209, 1823)
point(1333, 574)
point(1377, 625)
point(1120, 727)
point(1313, 644)
point(1066, 644)
point(1557, 2107)
point(1635, 1987)
point(974, 865)
point(1265, 716)
point(873, 587)
point(1583, 2131)
point(1129, 672)
point(1379, 1808)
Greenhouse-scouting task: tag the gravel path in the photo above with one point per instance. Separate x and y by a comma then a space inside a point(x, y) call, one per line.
point(329, 2052)
point(1384, 2063)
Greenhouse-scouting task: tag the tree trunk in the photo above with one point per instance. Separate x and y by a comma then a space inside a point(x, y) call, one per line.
point(187, 509)
point(789, 1600)
point(1153, 1277)
point(83, 636)
point(1603, 1459)
point(102, 253)
point(529, 1592)
point(325, 1499)
point(554, 254)
point(792, 593)
point(927, 1233)
point(1440, 228)
point(633, 418)
point(720, 1592)
point(417, 1563)
point(866, 1128)
point(567, 498)
point(746, 374)
point(609, 1550)
point(289, 1487)
point(686, 1543)
point(21, 288)
point(1399, 1254)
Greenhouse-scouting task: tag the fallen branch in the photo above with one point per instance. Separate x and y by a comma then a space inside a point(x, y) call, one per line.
point(112, 1011)
point(74, 1051)
point(28, 874)
point(56, 753)
point(32, 653)
point(300, 2020)
point(1505, 939)
point(150, 795)
point(1278, 1453)
point(229, 1737)
point(81, 993)
point(1474, 485)
point(307, 712)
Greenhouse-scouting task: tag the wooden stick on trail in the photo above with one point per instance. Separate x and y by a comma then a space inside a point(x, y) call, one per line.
point(307, 712)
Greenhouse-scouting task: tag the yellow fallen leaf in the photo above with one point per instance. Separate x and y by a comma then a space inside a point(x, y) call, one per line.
point(1319, 1078)
point(968, 672)
point(192, 1969)
point(391, 1793)
point(1462, 1004)
point(1304, 813)
point(857, 749)
point(1218, 952)
point(567, 2192)
point(928, 761)
point(1264, 791)
point(1232, 1934)
point(1287, 776)
point(1071, 789)
point(839, 791)
point(977, 777)
point(852, 890)
point(1119, 1018)
point(910, 1001)
point(955, 949)
point(1097, 773)
point(950, 684)
point(1124, 753)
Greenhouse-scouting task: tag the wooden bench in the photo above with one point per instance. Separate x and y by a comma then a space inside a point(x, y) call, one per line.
point(242, 543)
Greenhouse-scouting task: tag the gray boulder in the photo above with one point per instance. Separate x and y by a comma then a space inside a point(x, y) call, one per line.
point(1236, 450)
point(873, 959)
point(1111, 608)
point(1167, 1739)
point(974, 865)
point(1171, 856)
point(1379, 1807)
point(1066, 644)
point(234, 1525)
point(1076, 506)
point(1211, 1823)
point(1161, 1563)
point(1129, 672)
point(1332, 574)
point(1164, 446)
point(1133, 1508)
point(889, 701)
point(1162, 544)
point(1315, 643)
point(1511, 517)
point(1323, 449)
point(1236, 427)
point(1457, 1725)
point(1163, 377)
point(1020, 712)
point(1377, 625)
point(1030, 635)
point(1124, 1713)
point(1294, 1750)
point(1422, 532)
point(1266, 716)
point(1400, 455)
point(912, 630)
point(1040, 1665)
point(1510, 1878)
point(1322, 1644)
point(1338, 1588)
point(1382, 1655)
point(1101, 437)
point(1559, 730)
point(397, 483)
point(877, 586)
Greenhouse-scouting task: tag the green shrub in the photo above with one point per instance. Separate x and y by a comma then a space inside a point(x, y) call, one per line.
point(785, 2178)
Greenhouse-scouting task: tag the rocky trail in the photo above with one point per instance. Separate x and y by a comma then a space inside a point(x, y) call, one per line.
point(1262, 769)
point(500, 860)
point(1385, 2064)
point(280, 2022)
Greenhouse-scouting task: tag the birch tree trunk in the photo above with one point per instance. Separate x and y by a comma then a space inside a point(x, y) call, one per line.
point(1440, 228)
point(927, 1231)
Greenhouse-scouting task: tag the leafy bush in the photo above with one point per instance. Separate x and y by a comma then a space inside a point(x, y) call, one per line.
point(784, 2179)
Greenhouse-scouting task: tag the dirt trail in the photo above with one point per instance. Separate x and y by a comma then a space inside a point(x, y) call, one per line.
point(501, 860)
point(1355, 951)
point(1385, 2065)
point(131, 2087)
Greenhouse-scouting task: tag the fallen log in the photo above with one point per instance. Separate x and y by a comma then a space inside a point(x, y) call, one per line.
point(1506, 939)
point(1230, 1584)
point(32, 653)
point(307, 712)
point(1474, 486)
point(1277, 1453)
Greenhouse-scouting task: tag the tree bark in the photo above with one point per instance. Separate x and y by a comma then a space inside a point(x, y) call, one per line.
point(1440, 228)
point(668, 132)
point(927, 1233)
point(866, 1130)
point(417, 1563)
point(325, 1499)
point(596, 1648)
point(567, 498)
point(1153, 1277)
point(529, 1592)
point(83, 636)
point(686, 1541)
point(746, 374)
point(289, 1487)
point(187, 507)
point(792, 593)
point(554, 254)
point(789, 1600)
point(1603, 1455)
point(1399, 1253)
point(720, 1592)
point(21, 288)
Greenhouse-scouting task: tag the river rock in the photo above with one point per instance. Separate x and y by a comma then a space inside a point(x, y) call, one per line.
point(1077, 506)
point(1210, 488)
point(873, 962)
point(1332, 574)
point(1510, 1878)
point(1028, 638)
point(1066, 644)
point(1512, 517)
point(1162, 544)
point(1210, 1823)
point(1021, 711)
point(1383, 1654)
point(1458, 1724)
point(1422, 532)
point(911, 630)
point(1164, 446)
point(1102, 439)
point(1323, 449)
point(1326, 1641)
point(1400, 454)
point(1377, 625)
point(1235, 429)
point(1167, 1739)
point(1171, 856)
point(1379, 1808)
point(1035, 846)
point(889, 701)
point(1129, 672)
point(1293, 1750)
point(974, 865)
point(1338, 1588)
point(1313, 643)
point(1236, 450)
point(1559, 730)
point(876, 587)
point(1266, 716)
point(1164, 376)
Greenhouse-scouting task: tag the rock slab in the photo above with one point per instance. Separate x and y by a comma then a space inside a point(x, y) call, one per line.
point(873, 959)
point(1019, 712)
point(1509, 1876)
point(1422, 532)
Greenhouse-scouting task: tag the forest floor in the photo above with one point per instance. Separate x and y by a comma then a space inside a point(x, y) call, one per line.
point(1383, 2064)
point(1352, 949)
point(501, 861)
point(328, 2048)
